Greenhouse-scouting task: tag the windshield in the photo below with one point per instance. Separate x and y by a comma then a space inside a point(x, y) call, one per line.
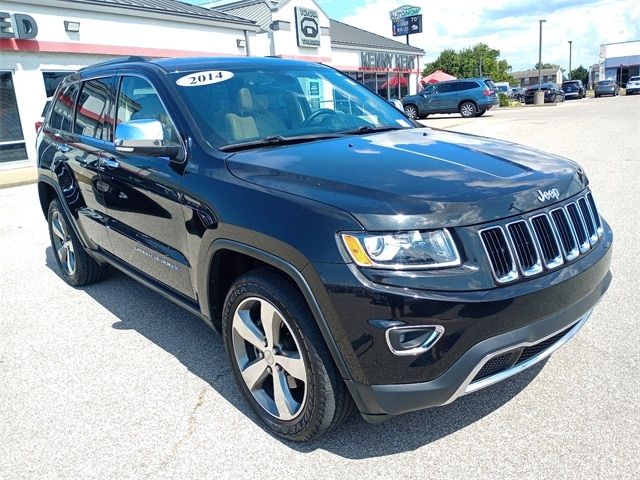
point(605, 82)
point(243, 105)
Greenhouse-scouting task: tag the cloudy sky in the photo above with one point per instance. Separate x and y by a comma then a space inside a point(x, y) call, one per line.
point(508, 25)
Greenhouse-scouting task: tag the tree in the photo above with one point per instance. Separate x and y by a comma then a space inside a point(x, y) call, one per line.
point(479, 60)
point(580, 73)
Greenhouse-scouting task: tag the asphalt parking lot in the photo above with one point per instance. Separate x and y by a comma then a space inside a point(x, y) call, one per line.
point(114, 381)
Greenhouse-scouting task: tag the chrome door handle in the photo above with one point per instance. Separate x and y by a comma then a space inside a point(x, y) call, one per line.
point(109, 162)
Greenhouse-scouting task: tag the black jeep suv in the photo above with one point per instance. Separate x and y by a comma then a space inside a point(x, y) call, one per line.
point(348, 256)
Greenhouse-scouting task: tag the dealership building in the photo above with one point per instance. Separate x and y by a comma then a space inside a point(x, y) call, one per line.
point(41, 41)
point(619, 61)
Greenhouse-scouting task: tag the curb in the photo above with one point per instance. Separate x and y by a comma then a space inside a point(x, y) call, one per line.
point(18, 177)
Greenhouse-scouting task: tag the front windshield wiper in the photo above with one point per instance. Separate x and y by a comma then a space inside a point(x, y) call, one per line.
point(371, 129)
point(276, 140)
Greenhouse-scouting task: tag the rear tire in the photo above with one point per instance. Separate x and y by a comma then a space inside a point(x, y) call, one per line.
point(279, 359)
point(468, 109)
point(412, 112)
point(77, 268)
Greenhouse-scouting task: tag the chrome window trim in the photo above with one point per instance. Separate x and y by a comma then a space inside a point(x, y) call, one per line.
point(513, 274)
point(537, 268)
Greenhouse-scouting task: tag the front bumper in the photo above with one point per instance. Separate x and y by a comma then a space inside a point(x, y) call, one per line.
point(632, 90)
point(481, 328)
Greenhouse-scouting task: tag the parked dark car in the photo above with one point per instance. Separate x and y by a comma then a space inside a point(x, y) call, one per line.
point(551, 91)
point(348, 256)
point(471, 97)
point(517, 93)
point(606, 87)
point(574, 89)
point(633, 85)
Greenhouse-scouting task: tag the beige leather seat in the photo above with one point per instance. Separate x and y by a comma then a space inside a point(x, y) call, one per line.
point(242, 126)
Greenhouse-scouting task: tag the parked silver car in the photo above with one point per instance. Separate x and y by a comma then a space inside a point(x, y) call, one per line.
point(606, 87)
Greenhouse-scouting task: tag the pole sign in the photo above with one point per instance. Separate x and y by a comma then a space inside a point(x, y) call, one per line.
point(406, 20)
point(307, 27)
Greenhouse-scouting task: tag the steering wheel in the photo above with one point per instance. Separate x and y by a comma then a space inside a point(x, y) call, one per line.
point(318, 113)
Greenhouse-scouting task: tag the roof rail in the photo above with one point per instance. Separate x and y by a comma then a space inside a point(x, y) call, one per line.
point(133, 58)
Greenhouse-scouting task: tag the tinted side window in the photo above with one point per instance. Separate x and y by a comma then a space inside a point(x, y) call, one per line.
point(444, 87)
point(61, 117)
point(138, 100)
point(94, 116)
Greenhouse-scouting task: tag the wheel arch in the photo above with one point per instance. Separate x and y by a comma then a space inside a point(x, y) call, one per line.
point(467, 100)
point(215, 280)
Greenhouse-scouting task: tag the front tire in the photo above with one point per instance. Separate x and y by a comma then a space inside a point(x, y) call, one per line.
point(279, 359)
point(77, 268)
point(412, 112)
point(468, 109)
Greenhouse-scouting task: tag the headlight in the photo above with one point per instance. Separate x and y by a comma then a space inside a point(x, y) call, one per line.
point(406, 250)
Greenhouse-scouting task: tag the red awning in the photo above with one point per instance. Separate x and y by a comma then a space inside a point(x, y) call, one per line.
point(394, 81)
point(437, 76)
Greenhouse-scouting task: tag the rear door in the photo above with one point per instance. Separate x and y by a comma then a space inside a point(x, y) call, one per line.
point(147, 225)
point(74, 158)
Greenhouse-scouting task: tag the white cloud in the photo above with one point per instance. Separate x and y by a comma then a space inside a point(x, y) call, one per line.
point(512, 27)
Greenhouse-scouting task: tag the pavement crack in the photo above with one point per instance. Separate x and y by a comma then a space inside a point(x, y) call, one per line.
point(191, 426)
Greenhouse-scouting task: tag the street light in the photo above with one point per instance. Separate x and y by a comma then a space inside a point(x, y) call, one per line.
point(540, 58)
point(570, 42)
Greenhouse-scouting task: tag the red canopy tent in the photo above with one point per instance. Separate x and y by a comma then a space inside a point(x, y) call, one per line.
point(437, 76)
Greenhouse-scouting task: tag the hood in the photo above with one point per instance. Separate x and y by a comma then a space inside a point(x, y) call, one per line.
point(414, 178)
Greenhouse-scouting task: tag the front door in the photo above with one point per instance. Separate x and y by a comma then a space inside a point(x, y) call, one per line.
point(147, 224)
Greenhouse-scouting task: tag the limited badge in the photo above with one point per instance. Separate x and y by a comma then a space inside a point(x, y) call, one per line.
point(198, 79)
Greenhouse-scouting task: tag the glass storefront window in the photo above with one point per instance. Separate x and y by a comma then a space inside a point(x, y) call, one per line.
point(382, 84)
point(370, 81)
point(12, 146)
point(52, 80)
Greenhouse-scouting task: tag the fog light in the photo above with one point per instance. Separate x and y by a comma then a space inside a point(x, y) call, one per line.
point(413, 340)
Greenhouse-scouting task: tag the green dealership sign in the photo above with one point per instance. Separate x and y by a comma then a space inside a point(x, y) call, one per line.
point(404, 11)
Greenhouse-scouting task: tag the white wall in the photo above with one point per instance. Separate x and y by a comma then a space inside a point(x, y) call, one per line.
point(286, 42)
point(626, 49)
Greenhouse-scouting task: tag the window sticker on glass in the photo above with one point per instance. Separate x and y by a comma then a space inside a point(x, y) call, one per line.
point(198, 79)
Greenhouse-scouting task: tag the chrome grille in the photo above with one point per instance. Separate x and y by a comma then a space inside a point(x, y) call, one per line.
point(542, 241)
point(497, 249)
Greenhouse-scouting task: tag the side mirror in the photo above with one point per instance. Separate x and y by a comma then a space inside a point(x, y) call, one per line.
point(396, 103)
point(144, 137)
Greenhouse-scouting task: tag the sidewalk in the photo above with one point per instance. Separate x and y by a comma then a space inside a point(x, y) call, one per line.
point(18, 176)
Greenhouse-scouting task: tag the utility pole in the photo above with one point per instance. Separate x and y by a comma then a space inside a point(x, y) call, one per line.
point(538, 97)
point(540, 57)
point(570, 42)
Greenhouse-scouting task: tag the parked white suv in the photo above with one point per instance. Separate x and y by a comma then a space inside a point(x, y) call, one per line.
point(633, 85)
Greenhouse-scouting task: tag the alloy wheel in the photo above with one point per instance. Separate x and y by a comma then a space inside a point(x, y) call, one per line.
point(269, 358)
point(63, 243)
point(411, 112)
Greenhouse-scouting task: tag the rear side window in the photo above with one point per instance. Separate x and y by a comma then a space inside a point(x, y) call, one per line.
point(61, 117)
point(490, 84)
point(138, 100)
point(94, 116)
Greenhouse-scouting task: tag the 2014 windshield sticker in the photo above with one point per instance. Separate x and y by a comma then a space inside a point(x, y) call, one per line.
point(198, 79)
